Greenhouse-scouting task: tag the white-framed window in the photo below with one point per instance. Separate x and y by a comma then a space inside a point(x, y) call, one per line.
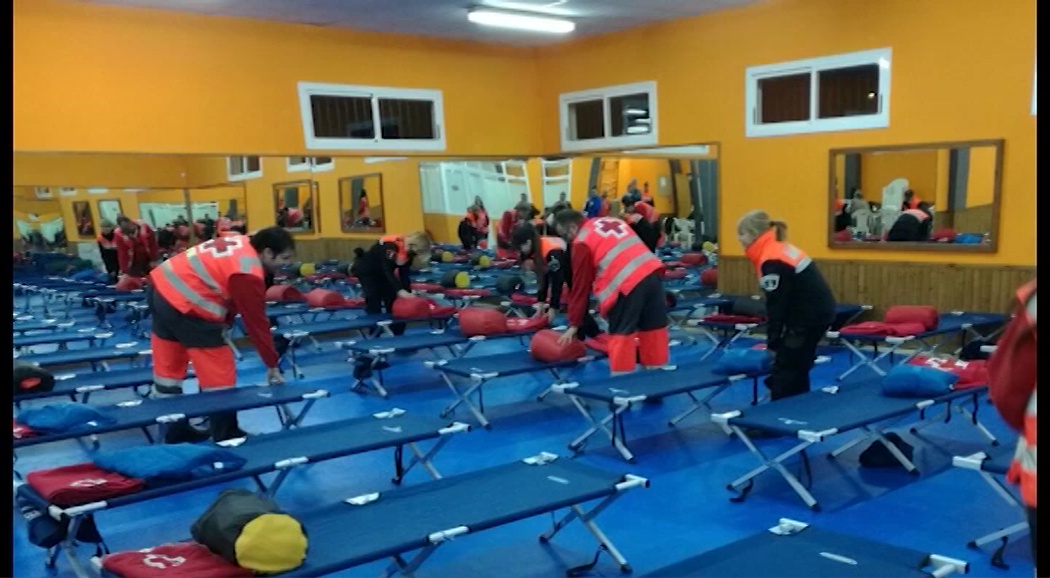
point(243, 168)
point(610, 117)
point(44, 193)
point(349, 117)
point(311, 164)
point(828, 94)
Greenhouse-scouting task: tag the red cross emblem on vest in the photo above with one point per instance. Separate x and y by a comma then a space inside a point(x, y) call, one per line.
point(88, 483)
point(611, 228)
point(222, 246)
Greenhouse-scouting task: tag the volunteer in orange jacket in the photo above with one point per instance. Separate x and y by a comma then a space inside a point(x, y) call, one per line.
point(194, 296)
point(799, 305)
point(137, 250)
point(1012, 387)
point(609, 259)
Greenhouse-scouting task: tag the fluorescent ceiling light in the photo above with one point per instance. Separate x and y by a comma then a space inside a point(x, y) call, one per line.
point(637, 130)
point(636, 112)
point(514, 21)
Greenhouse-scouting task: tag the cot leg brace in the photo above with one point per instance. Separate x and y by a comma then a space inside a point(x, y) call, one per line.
point(477, 380)
point(747, 480)
point(586, 517)
point(729, 336)
point(1003, 536)
point(873, 361)
point(233, 347)
point(378, 361)
point(616, 410)
point(969, 330)
point(971, 416)
point(73, 518)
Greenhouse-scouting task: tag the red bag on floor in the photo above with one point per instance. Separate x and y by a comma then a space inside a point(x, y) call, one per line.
point(129, 284)
point(599, 342)
point(521, 299)
point(923, 314)
point(709, 277)
point(81, 484)
point(411, 308)
point(22, 431)
point(674, 273)
point(524, 324)
point(545, 347)
point(324, 298)
point(480, 321)
point(438, 311)
point(693, 259)
point(882, 328)
point(181, 560)
point(284, 294)
point(971, 373)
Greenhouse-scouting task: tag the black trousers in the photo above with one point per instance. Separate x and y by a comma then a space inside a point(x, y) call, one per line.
point(794, 359)
point(643, 309)
point(468, 235)
point(379, 297)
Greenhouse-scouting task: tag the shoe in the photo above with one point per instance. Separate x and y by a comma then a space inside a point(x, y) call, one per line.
point(184, 433)
point(224, 427)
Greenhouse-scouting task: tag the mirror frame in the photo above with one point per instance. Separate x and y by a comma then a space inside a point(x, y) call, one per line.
point(370, 230)
point(76, 224)
point(992, 247)
point(315, 187)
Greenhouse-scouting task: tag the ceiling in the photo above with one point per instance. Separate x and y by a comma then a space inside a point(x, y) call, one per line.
point(447, 18)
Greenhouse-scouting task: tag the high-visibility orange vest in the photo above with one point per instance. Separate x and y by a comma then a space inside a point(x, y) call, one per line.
point(548, 244)
point(918, 214)
point(196, 282)
point(621, 259)
point(767, 248)
point(1022, 469)
point(399, 241)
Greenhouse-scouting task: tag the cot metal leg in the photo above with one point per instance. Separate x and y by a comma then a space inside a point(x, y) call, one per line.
point(587, 519)
point(972, 416)
point(463, 397)
point(408, 569)
point(602, 425)
point(291, 420)
point(862, 361)
point(233, 347)
point(774, 464)
point(558, 378)
point(69, 547)
point(699, 404)
point(423, 459)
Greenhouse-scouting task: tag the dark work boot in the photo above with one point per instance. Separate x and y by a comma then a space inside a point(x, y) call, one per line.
point(183, 433)
point(224, 427)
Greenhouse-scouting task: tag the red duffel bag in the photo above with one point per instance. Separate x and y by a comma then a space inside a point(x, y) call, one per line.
point(523, 324)
point(181, 560)
point(545, 347)
point(410, 308)
point(709, 277)
point(284, 294)
point(693, 259)
point(674, 273)
point(923, 314)
point(482, 321)
point(325, 298)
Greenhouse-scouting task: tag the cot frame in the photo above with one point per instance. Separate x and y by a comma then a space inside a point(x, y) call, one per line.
point(378, 356)
point(74, 516)
point(740, 331)
point(874, 431)
point(974, 462)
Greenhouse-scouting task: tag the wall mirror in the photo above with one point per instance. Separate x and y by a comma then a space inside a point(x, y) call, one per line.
point(83, 219)
point(295, 203)
point(109, 210)
point(217, 209)
point(361, 204)
point(38, 222)
point(939, 197)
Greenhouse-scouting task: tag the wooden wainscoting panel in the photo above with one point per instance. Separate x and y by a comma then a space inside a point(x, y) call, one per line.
point(948, 287)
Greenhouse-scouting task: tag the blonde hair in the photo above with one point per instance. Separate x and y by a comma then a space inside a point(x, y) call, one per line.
point(757, 222)
point(419, 243)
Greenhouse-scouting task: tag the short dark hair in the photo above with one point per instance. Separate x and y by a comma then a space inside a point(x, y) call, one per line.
point(568, 217)
point(121, 219)
point(276, 239)
point(523, 232)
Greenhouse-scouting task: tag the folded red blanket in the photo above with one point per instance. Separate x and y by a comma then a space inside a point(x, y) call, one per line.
point(971, 373)
point(726, 318)
point(182, 560)
point(81, 484)
point(882, 328)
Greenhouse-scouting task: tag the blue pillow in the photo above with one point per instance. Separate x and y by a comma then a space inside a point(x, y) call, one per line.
point(737, 361)
point(169, 462)
point(62, 417)
point(969, 239)
point(917, 381)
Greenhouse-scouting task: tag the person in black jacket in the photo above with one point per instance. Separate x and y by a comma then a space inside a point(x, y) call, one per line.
point(800, 307)
point(384, 271)
point(913, 225)
point(648, 232)
point(550, 257)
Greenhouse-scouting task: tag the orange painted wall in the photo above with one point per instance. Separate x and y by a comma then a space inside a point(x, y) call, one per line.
point(920, 168)
point(945, 87)
point(106, 171)
point(979, 189)
point(170, 82)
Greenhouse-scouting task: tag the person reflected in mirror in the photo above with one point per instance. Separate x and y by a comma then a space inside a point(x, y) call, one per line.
point(136, 244)
point(913, 225)
point(481, 223)
point(526, 208)
point(646, 196)
point(649, 233)
point(107, 249)
point(592, 209)
point(911, 200)
point(606, 205)
point(363, 218)
point(561, 204)
point(799, 304)
point(467, 231)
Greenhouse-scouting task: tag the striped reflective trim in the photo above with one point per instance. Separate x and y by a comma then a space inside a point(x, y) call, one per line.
point(582, 235)
point(801, 265)
point(248, 264)
point(627, 270)
point(188, 294)
point(1030, 410)
point(628, 243)
point(1030, 309)
point(1025, 456)
point(198, 267)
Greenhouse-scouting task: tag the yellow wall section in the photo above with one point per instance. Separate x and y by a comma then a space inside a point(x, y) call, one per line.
point(980, 186)
point(175, 82)
point(788, 175)
point(879, 169)
point(108, 171)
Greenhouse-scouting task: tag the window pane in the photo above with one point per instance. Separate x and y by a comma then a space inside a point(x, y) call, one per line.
point(784, 98)
point(587, 120)
point(251, 164)
point(236, 165)
point(342, 117)
point(849, 91)
point(407, 119)
point(297, 160)
point(322, 161)
point(630, 114)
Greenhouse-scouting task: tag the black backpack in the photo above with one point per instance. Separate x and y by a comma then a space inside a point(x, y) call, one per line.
point(31, 379)
point(46, 532)
point(252, 532)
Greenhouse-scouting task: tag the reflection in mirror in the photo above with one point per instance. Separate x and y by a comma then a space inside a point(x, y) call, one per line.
point(85, 222)
point(218, 210)
point(296, 203)
point(109, 210)
point(38, 223)
point(917, 197)
point(361, 204)
point(165, 211)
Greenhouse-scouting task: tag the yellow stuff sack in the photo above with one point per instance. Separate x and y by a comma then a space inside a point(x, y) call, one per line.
point(252, 532)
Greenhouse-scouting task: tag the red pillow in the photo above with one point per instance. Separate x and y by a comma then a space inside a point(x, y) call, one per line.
point(693, 259)
point(599, 342)
point(545, 347)
point(709, 277)
point(481, 321)
point(182, 560)
point(410, 308)
point(440, 311)
point(674, 273)
point(325, 298)
point(525, 324)
point(467, 293)
point(81, 484)
point(922, 314)
point(284, 294)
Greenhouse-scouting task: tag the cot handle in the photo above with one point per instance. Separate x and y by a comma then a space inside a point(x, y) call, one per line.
point(291, 462)
point(450, 534)
point(632, 481)
point(456, 427)
point(171, 418)
point(316, 394)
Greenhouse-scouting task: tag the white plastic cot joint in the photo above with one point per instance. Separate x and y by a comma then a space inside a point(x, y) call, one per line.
point(291, 463)
point(723, 418)
point(382, 350)
point(899, 340)
point(816, 436)
point(945, 566)
point(477, 338)
point(787, 526)
point(483, 376)
point(89, 388)
point(384, 323)
point(632, 481)
point(171, 418)
point(103, 335)
point(737, 377)
point(971, 462)
point(456, 427)
point(362, 499)
point(445, 535)
point(832, 334)
point(563, 387)
point(624, 401)
point(397, 411)
point(316, 394)
point(540, 459)
point(433, 364)
point(925, 403)
point(74, 511)
point(988, 348)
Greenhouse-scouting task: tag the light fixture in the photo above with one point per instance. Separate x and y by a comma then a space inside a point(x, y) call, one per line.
point(516, 21)
point(638, 130)
point(635, 112)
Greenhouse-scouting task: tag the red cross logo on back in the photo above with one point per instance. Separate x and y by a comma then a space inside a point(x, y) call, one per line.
point(222, 246)
point(611, 228)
